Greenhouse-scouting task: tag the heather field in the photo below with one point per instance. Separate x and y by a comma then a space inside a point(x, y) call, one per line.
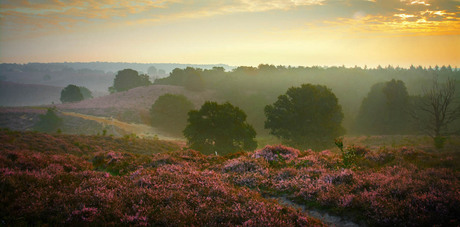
point(95, 180)
point(338, 113)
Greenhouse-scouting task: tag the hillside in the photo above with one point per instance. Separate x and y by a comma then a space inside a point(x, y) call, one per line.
point(133, 105)
point(96, 81)
point(17, 94)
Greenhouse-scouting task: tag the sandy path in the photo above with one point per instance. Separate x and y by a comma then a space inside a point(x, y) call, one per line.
point(141, 130)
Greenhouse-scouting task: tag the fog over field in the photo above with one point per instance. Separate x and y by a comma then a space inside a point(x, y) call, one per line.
point(230, 113)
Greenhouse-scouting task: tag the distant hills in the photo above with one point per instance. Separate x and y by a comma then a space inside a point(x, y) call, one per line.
point(16, 94)
point(41, 83)
point(134, 105)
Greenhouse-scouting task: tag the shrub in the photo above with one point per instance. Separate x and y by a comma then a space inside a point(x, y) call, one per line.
point(276, 153)
point(48, 122)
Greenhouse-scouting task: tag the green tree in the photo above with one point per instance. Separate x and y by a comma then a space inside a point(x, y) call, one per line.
point(220, 128)
point(87, 94)
point(71, 93)
point(48, 122)
point(308, 116)
point(385, 110)
point(169, 113)
point(127, 79)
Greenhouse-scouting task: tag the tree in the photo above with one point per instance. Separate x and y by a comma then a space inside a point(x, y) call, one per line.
point(194, 82)
point(152, 71)
point(127, 79)
point(437, 110)
point(71, 93)
point(385, 110)
point(169, 113)
point(308, 116)
point(190, 78)
point(219, 128)
point(87, 94)
point(48, 122)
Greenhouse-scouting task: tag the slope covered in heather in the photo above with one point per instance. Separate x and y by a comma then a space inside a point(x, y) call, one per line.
point(133, 105)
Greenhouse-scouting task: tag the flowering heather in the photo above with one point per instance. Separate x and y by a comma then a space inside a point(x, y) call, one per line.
point(244, 164)
point(276, 153)
point(59, 189)
point(81, 181)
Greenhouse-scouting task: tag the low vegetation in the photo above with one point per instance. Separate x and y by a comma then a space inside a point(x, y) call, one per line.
point(87, 184)
point(48, 122)
point(102, 181)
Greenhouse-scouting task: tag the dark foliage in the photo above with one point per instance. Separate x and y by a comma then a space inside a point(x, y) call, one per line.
point(127, 79)
point(385, 110)
point(220, 128)
point(190, 78)
point(71, 93)
point(48, 122)
point(169, 113)
point(87, 94)
point(307, 117)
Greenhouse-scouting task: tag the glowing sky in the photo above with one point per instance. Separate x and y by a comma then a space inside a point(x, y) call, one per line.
point(239, 32)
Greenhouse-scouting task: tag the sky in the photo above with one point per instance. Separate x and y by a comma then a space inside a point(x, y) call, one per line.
point(238, 32)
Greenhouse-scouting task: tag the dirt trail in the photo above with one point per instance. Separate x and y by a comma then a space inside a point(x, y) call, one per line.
point(141, 130)
point(325, 217)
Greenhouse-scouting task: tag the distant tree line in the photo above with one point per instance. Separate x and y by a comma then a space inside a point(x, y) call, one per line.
point(252, 88)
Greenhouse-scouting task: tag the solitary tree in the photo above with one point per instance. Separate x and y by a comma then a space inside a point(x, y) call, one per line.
point(127, 79)
point(169, 113)
point(87, 94)
point(437, 109)
point(308, 116)
point(71, 93)
point(48, 122)
point(220, 128)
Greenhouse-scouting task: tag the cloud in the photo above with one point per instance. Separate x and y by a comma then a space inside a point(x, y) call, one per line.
point(45, 16)
point(404, 17)
point(41, 16)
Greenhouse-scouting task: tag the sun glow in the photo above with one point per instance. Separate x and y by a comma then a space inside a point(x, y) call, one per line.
point(240, 32)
